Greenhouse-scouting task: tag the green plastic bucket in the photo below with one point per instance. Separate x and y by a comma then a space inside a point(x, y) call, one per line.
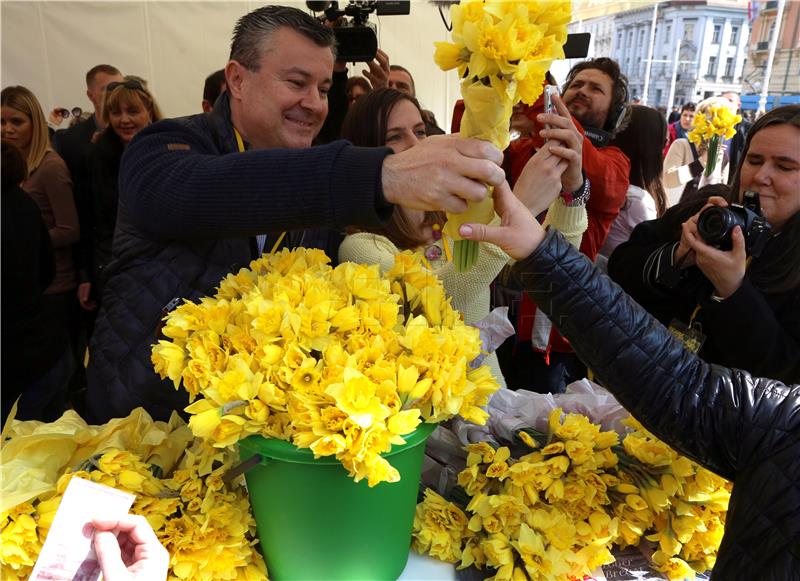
point(316, 524)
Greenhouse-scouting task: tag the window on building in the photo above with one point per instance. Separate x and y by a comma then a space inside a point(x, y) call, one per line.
point(717, 34)
point(712, 67)
point(766, 33)
point(729, 67)
point(734, 35)
point(619, 40)
point(668, 34)
point(688, 29)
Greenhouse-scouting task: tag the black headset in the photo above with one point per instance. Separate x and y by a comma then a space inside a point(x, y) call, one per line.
point(618, 117)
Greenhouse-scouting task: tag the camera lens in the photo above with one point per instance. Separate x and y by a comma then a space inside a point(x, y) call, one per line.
point(715, 225)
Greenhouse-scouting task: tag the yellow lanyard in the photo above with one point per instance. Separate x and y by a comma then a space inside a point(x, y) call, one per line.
point(240, 145)
point(239, 140)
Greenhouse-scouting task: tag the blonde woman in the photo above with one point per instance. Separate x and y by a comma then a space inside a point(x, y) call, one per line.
point(128, 107)
point(49, 184)
point(685, 162)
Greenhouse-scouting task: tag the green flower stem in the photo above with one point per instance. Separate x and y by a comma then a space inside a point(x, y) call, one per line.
point(713, 150)
point(465, 254)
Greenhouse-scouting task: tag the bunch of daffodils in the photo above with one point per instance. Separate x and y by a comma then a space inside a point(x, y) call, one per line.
point(502, 50)
point(204, 522)
point(674, 503)
point(712, 126)
point(343, 361)
point(555, 511)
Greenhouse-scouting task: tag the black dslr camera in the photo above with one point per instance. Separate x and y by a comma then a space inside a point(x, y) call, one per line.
point(715, 225)
point(355, 38)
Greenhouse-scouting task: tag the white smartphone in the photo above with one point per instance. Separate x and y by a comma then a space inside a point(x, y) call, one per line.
point(549, 104)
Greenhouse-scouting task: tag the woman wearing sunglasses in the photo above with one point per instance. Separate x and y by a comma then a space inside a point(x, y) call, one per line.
point(128, 107)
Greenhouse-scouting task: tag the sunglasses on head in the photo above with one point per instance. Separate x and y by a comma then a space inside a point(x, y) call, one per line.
point(76, 112)
point(130, 84)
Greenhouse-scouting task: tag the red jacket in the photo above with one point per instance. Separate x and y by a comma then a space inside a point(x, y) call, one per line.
point(608, 170)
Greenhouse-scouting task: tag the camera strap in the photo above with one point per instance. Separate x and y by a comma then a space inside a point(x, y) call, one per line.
point(692, 335)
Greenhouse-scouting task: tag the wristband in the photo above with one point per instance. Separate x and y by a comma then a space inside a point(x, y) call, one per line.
point(579, 197)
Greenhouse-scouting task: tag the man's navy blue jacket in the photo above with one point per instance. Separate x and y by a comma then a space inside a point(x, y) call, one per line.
point(190, 206)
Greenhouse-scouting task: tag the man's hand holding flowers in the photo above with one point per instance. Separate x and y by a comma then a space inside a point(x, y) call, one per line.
point(430, 176)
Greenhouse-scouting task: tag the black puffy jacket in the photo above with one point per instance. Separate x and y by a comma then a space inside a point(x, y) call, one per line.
point(743, 428)
point(189, 208)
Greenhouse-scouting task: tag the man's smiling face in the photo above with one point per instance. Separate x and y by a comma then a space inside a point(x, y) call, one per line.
point(285, 102)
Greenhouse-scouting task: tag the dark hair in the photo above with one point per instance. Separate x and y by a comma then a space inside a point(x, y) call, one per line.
point(14, 169)
point(365, 125)
point(97, 69)
point(357, 82)
point(778, 268)
point(619, 84)
point(788, 114)
point(642, 142)
point(213, 86)
point(690, 106)
point(406, 71)
point(255, 28)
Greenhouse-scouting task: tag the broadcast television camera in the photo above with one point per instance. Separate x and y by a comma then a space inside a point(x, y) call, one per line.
point(356, 40)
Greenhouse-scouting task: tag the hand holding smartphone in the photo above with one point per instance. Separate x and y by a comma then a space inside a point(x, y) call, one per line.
point(549, 104)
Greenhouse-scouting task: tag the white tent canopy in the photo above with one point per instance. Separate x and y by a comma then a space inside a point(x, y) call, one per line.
point(49, 46)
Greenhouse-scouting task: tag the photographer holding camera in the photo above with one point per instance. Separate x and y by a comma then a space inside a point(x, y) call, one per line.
point(724, 272)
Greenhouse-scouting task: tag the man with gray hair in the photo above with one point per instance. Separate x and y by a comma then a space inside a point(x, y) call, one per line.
point(195, 192)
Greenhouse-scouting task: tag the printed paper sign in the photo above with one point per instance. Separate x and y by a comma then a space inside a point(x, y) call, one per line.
point(68, 553)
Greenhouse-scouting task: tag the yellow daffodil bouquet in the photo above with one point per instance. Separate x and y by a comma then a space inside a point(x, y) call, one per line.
point(555, 508)
point(344, 361)
point(502, 50)
point(201, 518)
point(711, 127)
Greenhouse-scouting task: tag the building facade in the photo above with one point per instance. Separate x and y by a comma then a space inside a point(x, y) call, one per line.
point(699, 48)
point(784, 81)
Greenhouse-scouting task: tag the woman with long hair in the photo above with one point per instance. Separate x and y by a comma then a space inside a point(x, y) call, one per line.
point(739, 308)
point(48, 182)
point(394, 119)
point(645, 200)
point(128, 107)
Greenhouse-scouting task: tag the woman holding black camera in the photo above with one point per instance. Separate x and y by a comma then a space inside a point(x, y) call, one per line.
point(737, 309)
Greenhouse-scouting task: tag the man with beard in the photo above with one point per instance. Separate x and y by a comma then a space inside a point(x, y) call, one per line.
point(196, 193)
point(595, 94)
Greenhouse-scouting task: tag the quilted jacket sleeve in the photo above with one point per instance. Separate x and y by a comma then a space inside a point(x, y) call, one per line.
point(712, 414)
